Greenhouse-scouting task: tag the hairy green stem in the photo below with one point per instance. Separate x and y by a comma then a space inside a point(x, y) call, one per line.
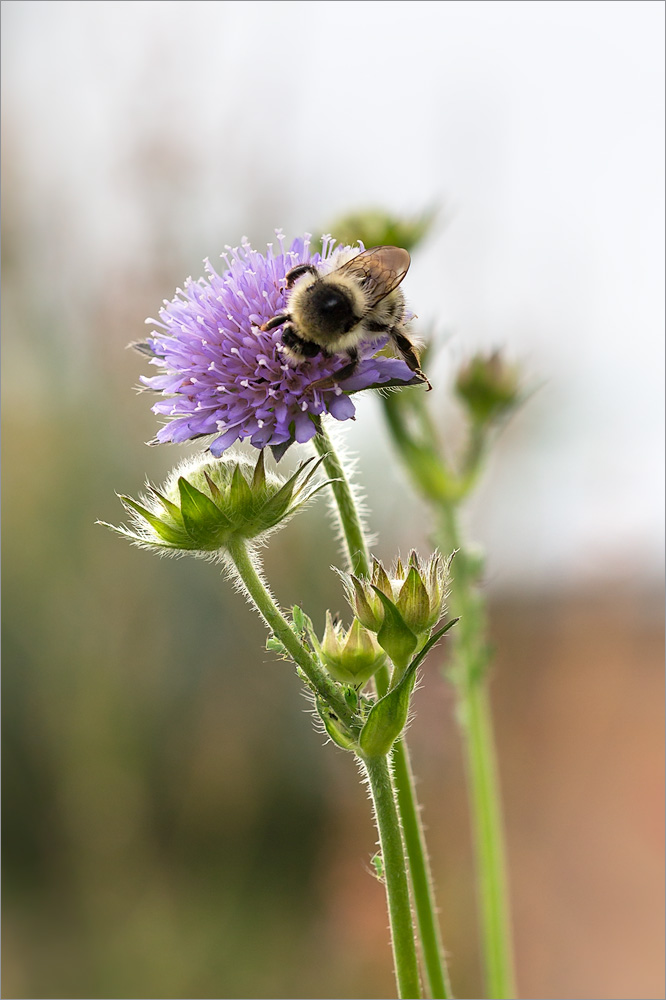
point(350, 519)
point(260, 595)
point(445, 490)
point(419, 866)
point(395, 876)
point(469, 673)
point(415, 845)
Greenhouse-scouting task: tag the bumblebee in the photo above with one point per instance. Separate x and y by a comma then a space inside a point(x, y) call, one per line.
point(333, 312)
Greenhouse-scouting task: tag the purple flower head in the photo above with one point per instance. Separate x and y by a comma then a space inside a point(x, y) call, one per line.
point(223, 376)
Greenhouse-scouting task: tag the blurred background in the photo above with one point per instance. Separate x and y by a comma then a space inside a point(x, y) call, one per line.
point(173, 826)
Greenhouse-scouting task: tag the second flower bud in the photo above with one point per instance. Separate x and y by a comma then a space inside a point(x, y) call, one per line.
point(351, 656)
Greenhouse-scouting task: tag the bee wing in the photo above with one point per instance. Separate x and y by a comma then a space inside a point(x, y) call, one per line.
point(379, 270)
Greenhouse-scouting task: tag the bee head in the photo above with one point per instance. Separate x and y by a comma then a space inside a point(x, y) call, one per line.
point(328, 308)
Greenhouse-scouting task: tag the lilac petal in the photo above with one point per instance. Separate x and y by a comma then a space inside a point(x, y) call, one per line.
point(224, 441)
point(304, 427)
point(341, 407)
point(378, 371)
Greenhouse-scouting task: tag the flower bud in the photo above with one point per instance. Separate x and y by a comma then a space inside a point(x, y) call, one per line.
point(207, 502)
point(353, 656)
point(375, 227)
point(488, 386)
point(415, 592)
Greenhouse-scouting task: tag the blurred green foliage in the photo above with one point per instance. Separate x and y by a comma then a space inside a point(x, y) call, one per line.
point(158, 777)
point(375, 227)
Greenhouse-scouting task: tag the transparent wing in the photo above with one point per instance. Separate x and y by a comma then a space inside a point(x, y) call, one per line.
point(379, 270)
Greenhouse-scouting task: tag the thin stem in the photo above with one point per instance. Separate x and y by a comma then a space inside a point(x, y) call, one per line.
point(469, 674)
point(350, 519)
point(395, 875)
point(422, 888)
point(486, 810)
point(415, 845)
point(270, 612)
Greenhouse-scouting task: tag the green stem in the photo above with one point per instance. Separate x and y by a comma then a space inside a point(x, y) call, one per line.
point(350, 519)
point(486, 811)
point(395, 875)
point(415, 845)
point(469, 673)
point(445, 490)
point(422, 888)
point(270, 612)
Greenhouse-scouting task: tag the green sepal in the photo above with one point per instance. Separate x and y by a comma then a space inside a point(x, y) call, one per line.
point(240, 495)
point(170, 507)
point(414, 560)
point(215, 493)
point(205, 504)
point(277, 506)
point(413, 602)
point(387, 719)
point(388, 716)
point(203, 520)
point(362, 608)
point(259, 476)
point(395, 636)
point(317, 463)
point(380, 579)
point(165, 531)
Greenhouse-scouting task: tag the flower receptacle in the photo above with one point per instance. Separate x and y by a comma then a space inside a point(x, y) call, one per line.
point(209, 503)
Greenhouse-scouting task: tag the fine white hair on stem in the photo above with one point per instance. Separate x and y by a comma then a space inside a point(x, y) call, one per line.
point(349, 462)
point(231, 573)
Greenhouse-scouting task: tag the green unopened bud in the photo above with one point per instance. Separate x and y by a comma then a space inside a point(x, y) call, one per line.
point(414, 595)
point(206, 503)
point(489, 387)
point(375, 228)
point(351, 657)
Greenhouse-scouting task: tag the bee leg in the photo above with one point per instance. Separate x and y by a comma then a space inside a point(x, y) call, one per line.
point(409, 355)
point(339, 376)
point(275, 321)
point(298, 271)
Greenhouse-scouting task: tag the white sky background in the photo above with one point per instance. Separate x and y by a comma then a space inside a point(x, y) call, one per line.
point(539, 128)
